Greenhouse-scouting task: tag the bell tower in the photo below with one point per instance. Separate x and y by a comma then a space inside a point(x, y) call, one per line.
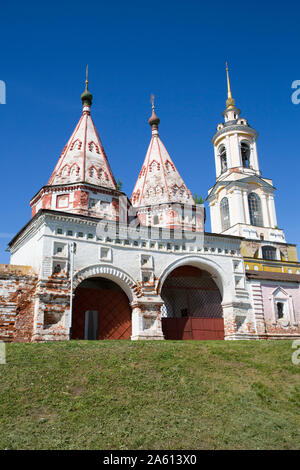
point(242, 201)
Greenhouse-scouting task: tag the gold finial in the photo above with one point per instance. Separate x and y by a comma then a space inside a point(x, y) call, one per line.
point(87, 77)
point(154, 120)
point(86, 96)
point(230, 101)
point(228, 82)
point(152, 101)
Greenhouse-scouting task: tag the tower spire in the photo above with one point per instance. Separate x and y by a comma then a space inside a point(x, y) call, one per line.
point(230, 103)
point(86, 76)
point(152, 101)
point(154, 120)
point(86, 96)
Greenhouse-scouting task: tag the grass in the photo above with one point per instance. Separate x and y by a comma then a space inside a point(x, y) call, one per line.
point(150, 395)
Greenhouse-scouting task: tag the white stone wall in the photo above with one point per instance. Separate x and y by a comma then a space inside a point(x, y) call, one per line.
point(138, 266)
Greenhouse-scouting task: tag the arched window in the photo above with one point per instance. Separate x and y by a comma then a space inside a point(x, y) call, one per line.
point(282, 307)
point(280, 310)
point(269, 252)
point(223, 159)
point(225, 217)
point(245, 151)
point(255, 210)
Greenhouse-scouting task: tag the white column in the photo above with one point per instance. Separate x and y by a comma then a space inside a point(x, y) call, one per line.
point(136, 321)
point(228, 152)
point(215, 218)
point(237, 151)
point(255, 156)
point(246, 207)
point(292, 311)
point(265, 211)
point(239, 205)
point(217, 162)
point(232, 210)
point(272, 211)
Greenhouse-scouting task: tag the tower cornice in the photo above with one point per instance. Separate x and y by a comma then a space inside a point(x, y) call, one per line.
point(242, 183)
point(235, 128)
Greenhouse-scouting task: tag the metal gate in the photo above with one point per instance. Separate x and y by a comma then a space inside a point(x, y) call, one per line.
point(192, 308)
point(110, 302)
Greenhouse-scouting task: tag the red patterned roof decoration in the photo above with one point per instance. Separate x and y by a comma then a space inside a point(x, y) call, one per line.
point(159, 181)
point(83, 159)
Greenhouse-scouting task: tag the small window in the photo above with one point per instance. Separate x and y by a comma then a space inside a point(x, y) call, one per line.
point(269, 252)
point(59, 231)
point(57, 268)
point(104, 253)
point(90, 235)
point(70, 233)
point(93, 203)
point(280, 310)
point(80, 234)
point(59, 248)
point(155, 220)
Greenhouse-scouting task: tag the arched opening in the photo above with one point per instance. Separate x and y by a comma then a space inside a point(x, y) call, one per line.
point(192, 305)
point(255, 210)
point(269, 252)
point(225, 215)
point(101, 310)
point(280, 310)
point(245, 152)
point(223, 159)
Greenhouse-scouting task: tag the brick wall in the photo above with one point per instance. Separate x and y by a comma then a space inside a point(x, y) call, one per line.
point(17, 291)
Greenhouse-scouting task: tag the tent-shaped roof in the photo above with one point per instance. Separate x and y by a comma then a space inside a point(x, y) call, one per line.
point(159, 181)
point(83, 159)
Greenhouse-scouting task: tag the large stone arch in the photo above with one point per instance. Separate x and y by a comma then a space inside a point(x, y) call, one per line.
point(192, 289)
point(221, 278)
point(116, 275)
point(102, 303)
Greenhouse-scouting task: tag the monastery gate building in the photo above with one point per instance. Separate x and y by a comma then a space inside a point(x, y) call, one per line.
point(92, 264)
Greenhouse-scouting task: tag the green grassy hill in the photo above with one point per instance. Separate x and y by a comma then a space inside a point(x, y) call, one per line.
point(150, 395)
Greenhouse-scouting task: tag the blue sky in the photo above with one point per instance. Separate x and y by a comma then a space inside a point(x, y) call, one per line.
point(174, 49)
